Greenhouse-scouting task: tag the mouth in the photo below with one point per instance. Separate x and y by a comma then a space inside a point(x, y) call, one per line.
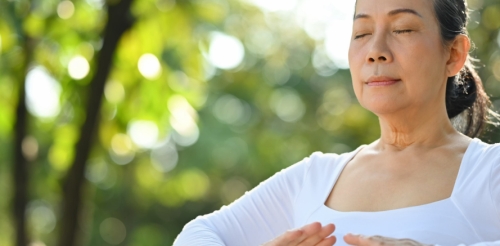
point(381, 81)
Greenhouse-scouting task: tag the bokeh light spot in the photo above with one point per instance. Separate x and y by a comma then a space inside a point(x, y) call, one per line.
point(277, 75)
point(323, 65)
point(287, 105)
point(143, 133)
point(490, 18)
point(195, 184)
point(41, 218)
point(164, 157)
point(65, 9)
point(96, 171)
point(149, 66)
point(37, 243)
point(183, 120)
point(147, 176)
point(30, 148)
point(114, 92)
point(225, 51)
point(98, 4)
point(121, 144)
point(113, 231)
point(60, 156)
point(231, 110)
point(261, 41)
point(337, 42)
point(78, 67)
point(330, 23)
point(42, 93)
point(122, 149)
point(274, 5)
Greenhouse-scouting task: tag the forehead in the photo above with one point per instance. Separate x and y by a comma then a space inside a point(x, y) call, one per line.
point(382, 7)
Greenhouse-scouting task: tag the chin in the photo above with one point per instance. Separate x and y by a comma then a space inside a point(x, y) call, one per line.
point(381, 107)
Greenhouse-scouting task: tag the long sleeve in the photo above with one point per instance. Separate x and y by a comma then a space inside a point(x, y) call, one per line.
point(497, 243)
point(494, 191)
point(260, 215)
point(495, 184)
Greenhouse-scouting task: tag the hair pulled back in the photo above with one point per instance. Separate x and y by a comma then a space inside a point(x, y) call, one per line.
point(465, 95)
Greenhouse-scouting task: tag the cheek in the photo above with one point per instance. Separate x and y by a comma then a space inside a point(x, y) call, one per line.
point(423, 68)
point(355, 69)
point(356, 62)
point(355, 55)
point(423, 56)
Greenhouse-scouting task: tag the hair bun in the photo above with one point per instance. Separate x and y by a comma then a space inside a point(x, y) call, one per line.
point(461, 92)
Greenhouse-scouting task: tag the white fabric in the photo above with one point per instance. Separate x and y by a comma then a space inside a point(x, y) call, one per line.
point(295, 197)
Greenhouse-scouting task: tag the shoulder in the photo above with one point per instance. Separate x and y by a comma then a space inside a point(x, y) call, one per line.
point(479, 160)
point(481, 167)
point(485, 152)
point(477, 188)
point(320, 163)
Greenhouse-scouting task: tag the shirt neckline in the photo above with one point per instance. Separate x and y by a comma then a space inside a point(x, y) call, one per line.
point(351, 156)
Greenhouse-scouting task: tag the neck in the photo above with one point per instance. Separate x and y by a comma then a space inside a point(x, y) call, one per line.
point(415, 129)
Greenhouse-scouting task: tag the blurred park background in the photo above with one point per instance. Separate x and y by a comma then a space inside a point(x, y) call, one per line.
point(122, 120)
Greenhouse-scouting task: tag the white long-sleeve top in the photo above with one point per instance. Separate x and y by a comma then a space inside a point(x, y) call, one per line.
point(296, 195)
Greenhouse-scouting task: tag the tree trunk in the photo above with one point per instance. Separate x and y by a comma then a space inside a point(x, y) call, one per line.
point(119, 20)
point(20, 168)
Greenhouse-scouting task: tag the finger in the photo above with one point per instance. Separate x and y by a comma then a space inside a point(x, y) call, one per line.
point(353, 239)
point(312, 228)
point(285, 239)
point(362, 240)
point(392, 241)
point(308, 230)
point(289, 237)
point(379, 240)
point(329, 241)
point(319, 236)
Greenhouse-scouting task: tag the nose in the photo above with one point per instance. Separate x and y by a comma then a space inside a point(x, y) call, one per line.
point(379, 51)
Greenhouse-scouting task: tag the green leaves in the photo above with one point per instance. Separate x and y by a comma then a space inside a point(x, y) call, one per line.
point(180, 134)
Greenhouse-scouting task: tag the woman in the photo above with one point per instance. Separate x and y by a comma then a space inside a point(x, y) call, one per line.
point(423, 179)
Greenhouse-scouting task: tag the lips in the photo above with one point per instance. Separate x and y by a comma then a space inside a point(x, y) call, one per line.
point(381, 81)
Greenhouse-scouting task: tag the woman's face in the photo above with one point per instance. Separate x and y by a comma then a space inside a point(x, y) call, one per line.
point(396, 56)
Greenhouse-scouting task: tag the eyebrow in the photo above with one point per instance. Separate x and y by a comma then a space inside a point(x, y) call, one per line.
point(391, 13)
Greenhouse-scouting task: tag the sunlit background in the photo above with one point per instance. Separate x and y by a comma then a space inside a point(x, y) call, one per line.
point(205, 99)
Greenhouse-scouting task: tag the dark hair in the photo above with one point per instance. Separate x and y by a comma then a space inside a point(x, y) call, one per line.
point(465, 95)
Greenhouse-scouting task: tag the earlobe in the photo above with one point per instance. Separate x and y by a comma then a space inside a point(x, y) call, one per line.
point(459, 52)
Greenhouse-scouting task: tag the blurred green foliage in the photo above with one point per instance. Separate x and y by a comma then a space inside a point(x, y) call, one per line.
point(183, 138)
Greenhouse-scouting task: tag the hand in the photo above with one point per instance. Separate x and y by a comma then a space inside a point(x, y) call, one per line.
point(310, 235)
point(361, 240)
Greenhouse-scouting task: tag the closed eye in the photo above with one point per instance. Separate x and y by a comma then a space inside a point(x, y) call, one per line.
point(402, 31)
point(361, 36)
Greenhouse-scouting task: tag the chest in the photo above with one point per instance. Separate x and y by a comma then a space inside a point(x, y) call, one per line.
point(380, 184)
point(467, 216)
point(436, 223)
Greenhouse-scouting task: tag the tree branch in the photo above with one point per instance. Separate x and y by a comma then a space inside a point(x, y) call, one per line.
point(119, 20)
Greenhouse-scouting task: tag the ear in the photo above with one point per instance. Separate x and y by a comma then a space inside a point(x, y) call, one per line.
point(459, 51)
